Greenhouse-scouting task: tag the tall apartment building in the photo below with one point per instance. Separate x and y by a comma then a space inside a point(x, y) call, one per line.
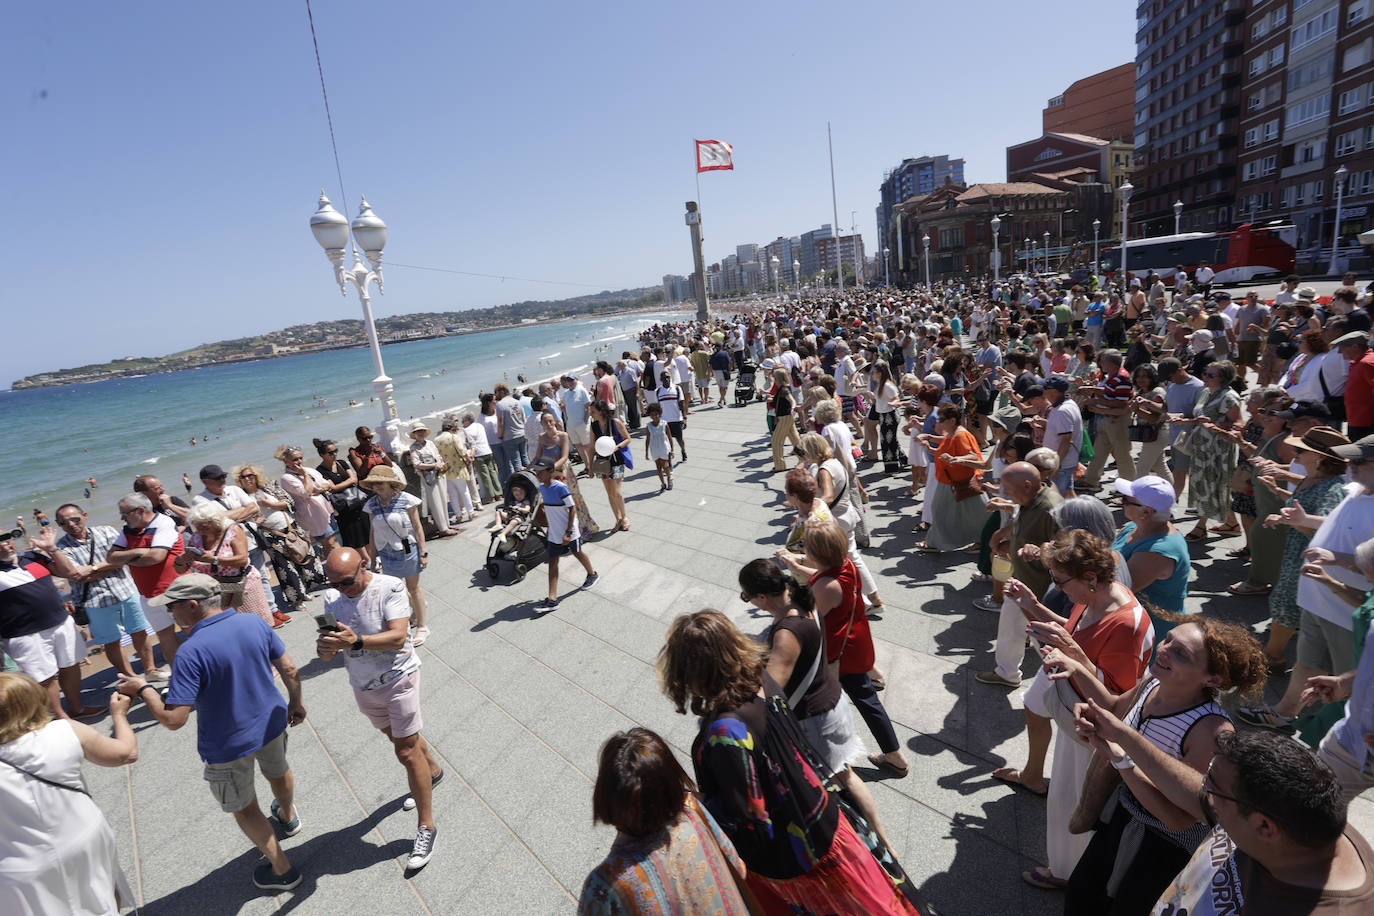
point(1187, 91)
point(676, 289)
point(1308, 110)
point(786, 250)
point(810, 261)
point(1099, 106)
point(913, 178)
point(851, 251)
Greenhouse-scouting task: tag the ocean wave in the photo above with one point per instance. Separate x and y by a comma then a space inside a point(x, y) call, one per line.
point(587, 344)
point(426, 375)
point(153, 460)
point(552, 355)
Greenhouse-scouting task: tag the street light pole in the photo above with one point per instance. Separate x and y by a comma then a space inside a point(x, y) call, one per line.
point(331, 230)
point(1029, 269)
point(1336, 230)
point(1178, 215)
point(1047, 251)
point(887, 274)
point(925, 242)
point(996, 251)
point(775, 262)
point(1097, 226)
point(1126, 189)
point(796, 276)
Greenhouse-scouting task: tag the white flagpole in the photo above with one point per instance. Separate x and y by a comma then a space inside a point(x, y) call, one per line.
point(835, 225)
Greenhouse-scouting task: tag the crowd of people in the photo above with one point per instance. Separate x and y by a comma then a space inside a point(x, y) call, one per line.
point(1052, 432)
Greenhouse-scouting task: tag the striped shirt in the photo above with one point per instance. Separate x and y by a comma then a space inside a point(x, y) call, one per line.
point(1169, 734)
point(107, 590)
point(1116, 387)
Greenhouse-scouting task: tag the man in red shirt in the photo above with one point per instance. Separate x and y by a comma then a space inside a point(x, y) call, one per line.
point(149, 546)
point(1359, 384)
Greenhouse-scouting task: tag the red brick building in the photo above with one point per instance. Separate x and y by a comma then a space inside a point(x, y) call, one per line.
point(1101, 105)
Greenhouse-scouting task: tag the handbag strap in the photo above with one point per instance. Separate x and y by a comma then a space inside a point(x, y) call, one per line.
point(51, 782)
point(796, 695)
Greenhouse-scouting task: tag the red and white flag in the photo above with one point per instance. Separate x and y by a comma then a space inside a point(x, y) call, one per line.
point(713, 155)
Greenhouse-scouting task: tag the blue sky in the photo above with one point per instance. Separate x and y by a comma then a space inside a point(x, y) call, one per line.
point(164, 158)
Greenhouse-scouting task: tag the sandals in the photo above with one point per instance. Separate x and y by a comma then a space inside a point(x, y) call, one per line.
point(1197, 534)
point(1245, 589)
point(1239, 552)
point(923, 547)
point(882, 763)
point(1043, 878)
point(1012, 776)
point(1226, 529)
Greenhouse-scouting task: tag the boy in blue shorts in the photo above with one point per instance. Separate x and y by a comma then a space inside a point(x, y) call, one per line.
point(563, 535)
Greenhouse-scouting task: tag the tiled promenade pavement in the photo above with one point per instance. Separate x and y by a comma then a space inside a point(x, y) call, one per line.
point(516, 706)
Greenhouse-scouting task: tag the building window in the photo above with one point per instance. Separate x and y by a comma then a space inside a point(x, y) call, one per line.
point(1269, 165)
point(1257, 65)
point(1269, 130)
point(1355, 13)
point(1350, 100)
point(1324, 23)
point(1357, 55)
point(1275, 56)
point(1308, 111)
point(1310, 151)
point(1286, 198)
point(1348, 143)
point(1249, 171)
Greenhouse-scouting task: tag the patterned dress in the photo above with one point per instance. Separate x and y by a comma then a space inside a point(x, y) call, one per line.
point(687, 868)
point(1214, 457)
point(804, 857)
point(254, 600)
point(1318, 499)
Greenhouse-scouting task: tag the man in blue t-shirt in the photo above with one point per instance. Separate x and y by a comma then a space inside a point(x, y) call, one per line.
point(224, 669)
point(562, 533)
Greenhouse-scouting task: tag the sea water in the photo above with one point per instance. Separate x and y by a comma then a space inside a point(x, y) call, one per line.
point(240, 413)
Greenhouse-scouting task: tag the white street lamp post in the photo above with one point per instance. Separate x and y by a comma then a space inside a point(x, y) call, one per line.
point(331, 230)
point(1047, 251)
point(1178, 215)
point(1097, 226)
point(1029, 269)
point(1335, 267)
point(925, 243)
point(996, 251)
point(887, 274)
point(1126, 189)
point(775, 262)
point(796, 276)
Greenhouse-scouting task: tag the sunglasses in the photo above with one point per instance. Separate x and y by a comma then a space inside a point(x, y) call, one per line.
point(1130, 501)
point(13, 534)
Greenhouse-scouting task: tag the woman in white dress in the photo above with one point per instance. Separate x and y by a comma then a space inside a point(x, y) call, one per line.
point(57, 851)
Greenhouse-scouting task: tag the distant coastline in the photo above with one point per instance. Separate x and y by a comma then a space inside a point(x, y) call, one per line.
point(406, 333)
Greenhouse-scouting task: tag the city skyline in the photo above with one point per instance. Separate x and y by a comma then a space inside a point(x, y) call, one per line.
point(489, 145)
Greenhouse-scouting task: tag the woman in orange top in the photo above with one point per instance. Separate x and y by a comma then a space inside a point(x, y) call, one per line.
point(958, 504)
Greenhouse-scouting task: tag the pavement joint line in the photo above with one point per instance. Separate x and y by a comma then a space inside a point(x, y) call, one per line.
point(133, 832)
point(371, 817)
point(450, 765)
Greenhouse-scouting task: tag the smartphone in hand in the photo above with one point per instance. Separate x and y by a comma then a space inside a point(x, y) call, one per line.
point(327, 622)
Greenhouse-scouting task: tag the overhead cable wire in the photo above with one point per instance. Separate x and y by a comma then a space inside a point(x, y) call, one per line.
point(338, 170)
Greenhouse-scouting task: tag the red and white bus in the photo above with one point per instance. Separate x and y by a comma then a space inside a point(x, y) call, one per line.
point(1250, 252)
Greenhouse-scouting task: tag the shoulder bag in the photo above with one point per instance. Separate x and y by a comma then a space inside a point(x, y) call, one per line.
point(52, 782)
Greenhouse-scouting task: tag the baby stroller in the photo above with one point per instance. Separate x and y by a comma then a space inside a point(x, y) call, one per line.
point(744, 385)
point(523, 549)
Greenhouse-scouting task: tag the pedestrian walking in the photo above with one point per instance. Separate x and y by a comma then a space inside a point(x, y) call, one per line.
point(224, 670)
point(367, 619)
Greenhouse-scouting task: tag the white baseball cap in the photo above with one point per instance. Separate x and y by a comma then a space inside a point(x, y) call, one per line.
point(1151, 492)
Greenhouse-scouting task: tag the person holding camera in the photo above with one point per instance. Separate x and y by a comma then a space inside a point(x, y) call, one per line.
point(367, 619)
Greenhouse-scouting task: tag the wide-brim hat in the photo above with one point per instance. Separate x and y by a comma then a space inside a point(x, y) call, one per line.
point(382, 473)
point(419, 426)
point(1320, 439)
